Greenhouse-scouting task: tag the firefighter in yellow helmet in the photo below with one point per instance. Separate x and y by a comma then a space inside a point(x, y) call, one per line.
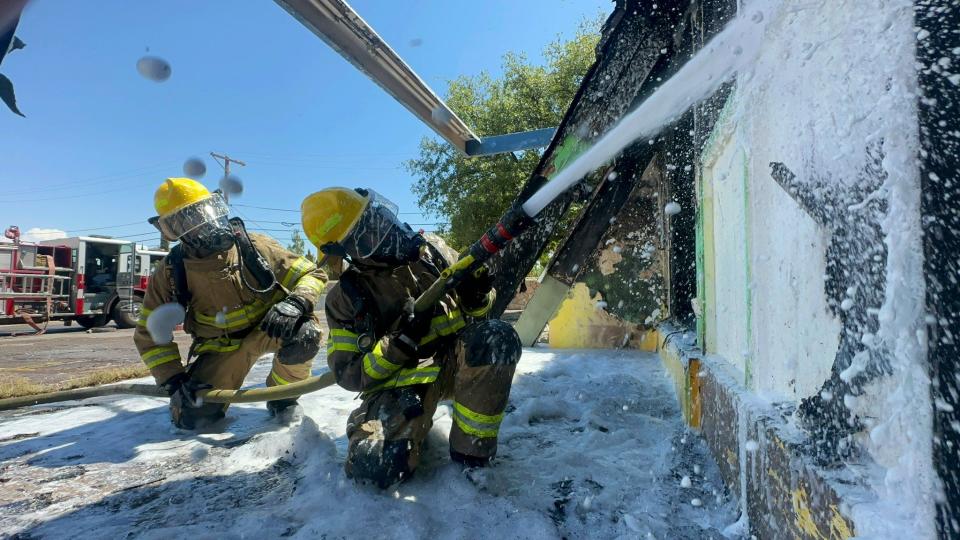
point(244, 296)
point(404, 364)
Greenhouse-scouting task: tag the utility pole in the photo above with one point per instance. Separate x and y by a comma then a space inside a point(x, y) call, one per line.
point(227, 160)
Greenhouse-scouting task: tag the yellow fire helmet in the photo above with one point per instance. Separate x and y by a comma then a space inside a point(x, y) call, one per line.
point(330, 214)
point(175, 193)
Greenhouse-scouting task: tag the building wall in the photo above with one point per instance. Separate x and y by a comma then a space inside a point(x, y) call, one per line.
point(764, 305)
point(784, 270)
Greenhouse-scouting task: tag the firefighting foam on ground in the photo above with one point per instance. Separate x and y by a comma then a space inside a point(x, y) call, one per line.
point(715, 303)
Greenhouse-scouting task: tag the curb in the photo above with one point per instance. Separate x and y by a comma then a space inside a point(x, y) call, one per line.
point(759, 452)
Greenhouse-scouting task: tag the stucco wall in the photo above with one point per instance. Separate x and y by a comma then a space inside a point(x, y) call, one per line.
point(766, 311)
point(764, 304)
point(816, 266)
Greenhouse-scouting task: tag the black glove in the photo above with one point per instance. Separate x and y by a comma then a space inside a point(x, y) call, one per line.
point(475, 287)
point(281, 321)
point(183, 391)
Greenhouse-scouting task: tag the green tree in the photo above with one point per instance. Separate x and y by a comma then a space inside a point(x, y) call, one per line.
point(472, 193)
point(297, 245)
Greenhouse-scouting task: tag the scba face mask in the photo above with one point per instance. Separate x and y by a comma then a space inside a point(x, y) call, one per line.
point(209, 238)
point(380, 236)
point(202, 226)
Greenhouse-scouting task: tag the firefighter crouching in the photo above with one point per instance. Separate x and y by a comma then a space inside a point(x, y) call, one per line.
point(244, 295)
point(403, 365)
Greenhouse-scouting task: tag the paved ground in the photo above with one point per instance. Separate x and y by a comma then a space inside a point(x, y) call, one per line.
point(67, 352)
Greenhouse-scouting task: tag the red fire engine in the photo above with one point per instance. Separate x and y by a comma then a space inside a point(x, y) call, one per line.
point(88, 279)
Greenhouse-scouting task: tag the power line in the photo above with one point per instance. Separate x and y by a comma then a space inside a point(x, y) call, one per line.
point(154, 233)
point(264, 208)
point(325, 156)
point(291, 210)
point(345, 167)
point(96, 180)
point(106, 227)
point(77, 196)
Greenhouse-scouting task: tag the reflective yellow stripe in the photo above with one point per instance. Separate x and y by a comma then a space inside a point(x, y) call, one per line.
point(312, 283)
point(162, 354)
point(484, 309)
point(444, 325)
point(144, 313)
point(219, 345)
point(408, 377)
point(418, 376)
point(333, 346)
point(477, 417)
point(299, 268)
point(278, 379)
point(237, 319)
point(343, 332)
point(342, 340)
point(377, 366)
point(474, 423)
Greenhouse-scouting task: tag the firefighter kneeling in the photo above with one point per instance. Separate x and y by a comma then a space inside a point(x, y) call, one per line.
point(404, 364)
point(244, 296)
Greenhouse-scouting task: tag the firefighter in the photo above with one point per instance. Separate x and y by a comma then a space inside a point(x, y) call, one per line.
point(404, 364)
point(244, 296)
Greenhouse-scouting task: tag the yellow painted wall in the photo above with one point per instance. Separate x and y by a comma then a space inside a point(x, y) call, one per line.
point(582, 323)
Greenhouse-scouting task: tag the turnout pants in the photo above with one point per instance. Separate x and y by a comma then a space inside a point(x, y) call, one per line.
point(225, 363)
point(388, 430)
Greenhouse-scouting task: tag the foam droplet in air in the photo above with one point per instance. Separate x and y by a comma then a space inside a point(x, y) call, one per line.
point(751, 446)
point(685, 482)
point(672, 208)
point(231, 185)
point(194, 168)
point(154, 68)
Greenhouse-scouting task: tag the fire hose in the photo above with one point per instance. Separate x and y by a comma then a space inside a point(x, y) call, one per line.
point(514, 222)
point(244, 395)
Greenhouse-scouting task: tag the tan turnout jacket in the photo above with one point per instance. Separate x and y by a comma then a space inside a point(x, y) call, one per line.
point(221, 306)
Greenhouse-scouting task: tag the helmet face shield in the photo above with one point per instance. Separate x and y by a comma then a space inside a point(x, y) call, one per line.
point(375, 226)
point(210, 211)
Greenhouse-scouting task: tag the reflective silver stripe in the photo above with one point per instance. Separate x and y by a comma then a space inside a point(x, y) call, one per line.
point(408, 377)
point(298, 269)
point(473, 426)
point(377, 366)
point(444, 325)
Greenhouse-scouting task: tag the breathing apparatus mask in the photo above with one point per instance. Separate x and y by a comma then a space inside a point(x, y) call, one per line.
point(203, 227)
point(379, 236)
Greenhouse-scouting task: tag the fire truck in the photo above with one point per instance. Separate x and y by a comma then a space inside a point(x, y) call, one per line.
point(88, 279)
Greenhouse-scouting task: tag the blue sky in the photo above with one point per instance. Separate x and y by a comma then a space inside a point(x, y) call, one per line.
point(248, 80)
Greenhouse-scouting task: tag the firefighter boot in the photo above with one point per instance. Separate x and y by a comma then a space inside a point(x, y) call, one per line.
point(196, 418)
point(283, 410)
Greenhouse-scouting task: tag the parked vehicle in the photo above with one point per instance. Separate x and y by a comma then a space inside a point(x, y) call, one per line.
point(88, 279)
